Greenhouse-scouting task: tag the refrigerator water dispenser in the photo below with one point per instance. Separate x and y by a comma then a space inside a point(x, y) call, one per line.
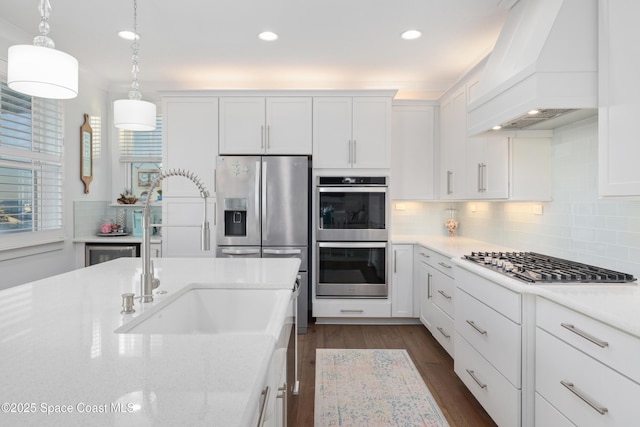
point(235, 217)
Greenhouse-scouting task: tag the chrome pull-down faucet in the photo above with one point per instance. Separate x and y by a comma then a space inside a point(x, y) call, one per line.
point(147, 281)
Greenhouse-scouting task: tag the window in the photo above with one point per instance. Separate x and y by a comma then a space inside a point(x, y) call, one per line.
point(31, 168)
point(143, 152)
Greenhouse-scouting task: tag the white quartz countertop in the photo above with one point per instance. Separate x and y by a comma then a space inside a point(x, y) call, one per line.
point(59, 352)
point(115, 238)
point(615, 304)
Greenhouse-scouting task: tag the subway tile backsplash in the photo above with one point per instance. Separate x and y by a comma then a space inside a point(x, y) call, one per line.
point(574, 225)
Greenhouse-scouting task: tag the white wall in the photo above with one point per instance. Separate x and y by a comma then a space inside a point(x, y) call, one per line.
point(17, 267)
point(575, 225)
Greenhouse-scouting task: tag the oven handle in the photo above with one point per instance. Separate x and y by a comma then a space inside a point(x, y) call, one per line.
point(352, 189)
point(352, 244)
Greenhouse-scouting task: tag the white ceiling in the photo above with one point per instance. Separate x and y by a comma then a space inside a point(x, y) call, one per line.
point(323, 44)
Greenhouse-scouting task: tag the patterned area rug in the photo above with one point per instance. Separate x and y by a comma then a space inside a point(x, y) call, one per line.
point(372, 388)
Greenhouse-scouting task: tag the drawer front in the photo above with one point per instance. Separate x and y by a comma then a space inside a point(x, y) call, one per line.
point(437, 260)
point(501, 299)
point(611, 346)
point(497, 338)
point(497, 396)
point(443, 329)
point(607, 391)
point(443, 289)
point(351, 308)
point(548, 416)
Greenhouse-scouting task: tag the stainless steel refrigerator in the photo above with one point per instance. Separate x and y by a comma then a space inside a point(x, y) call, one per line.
point(263, 211)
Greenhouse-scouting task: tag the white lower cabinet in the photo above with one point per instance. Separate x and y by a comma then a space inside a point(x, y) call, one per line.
point(585, 369)
point(495, 393)
point(547, 415)
point(402, 294)
point(488, 343)
point(434, 279)
point(351, 308)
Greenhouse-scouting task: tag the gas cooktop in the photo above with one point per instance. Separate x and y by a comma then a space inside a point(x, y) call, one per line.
point(531, 267)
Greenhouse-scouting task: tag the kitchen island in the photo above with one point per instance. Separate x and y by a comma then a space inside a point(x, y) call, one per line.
point(63, 364)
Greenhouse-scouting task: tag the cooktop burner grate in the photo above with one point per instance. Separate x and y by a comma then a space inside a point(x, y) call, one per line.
point(532, 267)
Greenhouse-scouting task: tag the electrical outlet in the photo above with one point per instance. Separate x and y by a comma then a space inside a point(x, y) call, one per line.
point(473, 207)
point(537, 209)
point(400, 206)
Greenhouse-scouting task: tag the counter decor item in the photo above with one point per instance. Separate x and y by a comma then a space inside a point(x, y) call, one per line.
point(127, 198)
point(451, 223)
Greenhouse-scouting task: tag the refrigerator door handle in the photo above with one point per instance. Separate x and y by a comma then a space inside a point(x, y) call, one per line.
point(256, 194)
point(282, 251)
point(265, 228)
point(240, 251)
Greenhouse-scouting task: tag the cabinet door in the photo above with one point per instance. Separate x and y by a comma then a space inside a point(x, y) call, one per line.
point(242, 125)
point(190, 141)
point(371, 132)
point(402, 281)
point(412, 162)
point(488, 167)
point(289, 125)
point(619, 98)
point(453, 146)
point(422, 279)
point(332, 132)
point(182, 235)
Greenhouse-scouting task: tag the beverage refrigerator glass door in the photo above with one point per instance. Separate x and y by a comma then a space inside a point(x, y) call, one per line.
point(352, 211)
point(352, 269)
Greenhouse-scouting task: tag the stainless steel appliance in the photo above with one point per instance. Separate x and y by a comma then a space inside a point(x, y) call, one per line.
point(103, 252)
point(352, 237)
point(352, 269)
point(263, 211)
point(535, 268)
point(352, 208)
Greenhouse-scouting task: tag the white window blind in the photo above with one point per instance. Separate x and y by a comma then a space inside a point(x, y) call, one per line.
point(143, 147)
point(31, 169)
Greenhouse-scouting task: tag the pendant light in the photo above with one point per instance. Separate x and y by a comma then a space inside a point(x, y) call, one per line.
point(134, 113)
point(39, 69)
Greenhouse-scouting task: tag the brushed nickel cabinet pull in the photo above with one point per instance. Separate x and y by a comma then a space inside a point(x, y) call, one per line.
point(444, 265)
point(263, 407)
point(395, 261)
point(449, 179)
point(428, 285)
point(351, 311)
point(479, 177)
point(601, 410)
point(586, 336)
point(354, 151)
point(262, 136)
point(474, 326)
point(282, 394)
point(444, 294)
point(443, 332)
point(473, 375)
point(425, 255)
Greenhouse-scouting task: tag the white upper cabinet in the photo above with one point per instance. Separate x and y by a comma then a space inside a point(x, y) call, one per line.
point(352, 132)
point(453, 146)
point(488, 167)
point(190, 141)
point(259, 125)
point(412, 156)
point(619, 98)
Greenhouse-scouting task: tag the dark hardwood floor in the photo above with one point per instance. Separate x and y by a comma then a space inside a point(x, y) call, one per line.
point(435, 365)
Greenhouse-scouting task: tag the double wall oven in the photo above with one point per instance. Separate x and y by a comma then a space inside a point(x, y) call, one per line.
point(352, 237)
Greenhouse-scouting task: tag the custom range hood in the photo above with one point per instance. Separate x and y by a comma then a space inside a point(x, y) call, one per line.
point(545, 59)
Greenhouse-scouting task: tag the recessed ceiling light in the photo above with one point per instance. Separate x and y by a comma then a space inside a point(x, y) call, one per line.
point(411, 35)
point(128, 35)
point(497, 127)
point(268, 36)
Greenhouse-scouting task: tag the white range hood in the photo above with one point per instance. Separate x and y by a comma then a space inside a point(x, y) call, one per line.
point(546, 58)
